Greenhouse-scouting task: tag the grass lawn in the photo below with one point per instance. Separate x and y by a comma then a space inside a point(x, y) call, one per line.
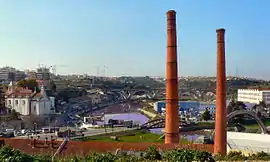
point(256, 126)
point(138, 137)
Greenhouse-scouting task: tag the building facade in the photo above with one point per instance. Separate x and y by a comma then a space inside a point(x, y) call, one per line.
point(11, 74)
point(194, 107)
point(43, 74)
point(254, 95)
point(185, 107)
point(26, 102)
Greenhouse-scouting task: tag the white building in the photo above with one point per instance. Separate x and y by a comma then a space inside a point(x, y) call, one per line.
point(26, 102)
point(95, 98)
point(254, 95)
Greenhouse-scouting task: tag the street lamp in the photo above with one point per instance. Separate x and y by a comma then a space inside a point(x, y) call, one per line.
point(55, 126)
point(35, 128)
point(105, 123)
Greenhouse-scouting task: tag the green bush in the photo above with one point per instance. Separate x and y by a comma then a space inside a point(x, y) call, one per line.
point(186, 155)
point(152, 154)
point(236, 156)
point(106, 157)
point(9, 154)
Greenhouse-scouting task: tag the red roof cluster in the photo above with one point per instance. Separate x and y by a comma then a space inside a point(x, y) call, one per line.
point(23, 92)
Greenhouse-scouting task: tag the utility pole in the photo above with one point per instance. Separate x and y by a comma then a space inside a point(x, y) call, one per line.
point(97, 71)
point(105, 68)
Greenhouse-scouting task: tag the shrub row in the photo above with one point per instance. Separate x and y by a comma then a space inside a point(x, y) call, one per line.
point(9, 154)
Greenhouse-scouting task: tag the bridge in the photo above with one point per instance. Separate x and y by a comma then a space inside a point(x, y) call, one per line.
point(129, 93)
point(187, 126)
point(160, 123)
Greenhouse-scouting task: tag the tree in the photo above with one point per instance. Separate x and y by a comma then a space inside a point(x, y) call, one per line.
point(262, 103)
point(206, 115)
point(254, 108)
point(14, 115)
point(259, 114)
point(235, 105)
point(2, 99)
point(52, 86)
point(29, 83)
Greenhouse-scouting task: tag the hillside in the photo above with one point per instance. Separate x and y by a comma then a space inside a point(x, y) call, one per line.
point(204, 88)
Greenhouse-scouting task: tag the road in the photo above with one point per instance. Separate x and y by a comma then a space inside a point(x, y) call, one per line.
point(85, 109)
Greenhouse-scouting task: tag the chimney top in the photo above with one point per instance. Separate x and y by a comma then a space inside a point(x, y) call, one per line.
point(222, 30)
point(171, 13)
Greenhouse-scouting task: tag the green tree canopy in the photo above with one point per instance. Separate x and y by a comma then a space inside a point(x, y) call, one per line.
point(14, 115)
point(262, 103)
point(235, 105)
point(206, 115)
point(52, 85)
point(28, 83)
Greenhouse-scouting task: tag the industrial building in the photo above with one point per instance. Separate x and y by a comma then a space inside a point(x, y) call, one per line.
point(254, 95)
point(195, 107)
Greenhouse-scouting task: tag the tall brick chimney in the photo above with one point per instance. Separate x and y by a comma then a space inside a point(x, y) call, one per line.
point(172, 118)
point(220, 146)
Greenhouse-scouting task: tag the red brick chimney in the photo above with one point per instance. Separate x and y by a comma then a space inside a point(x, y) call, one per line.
point(220, 146)
point(172, 118)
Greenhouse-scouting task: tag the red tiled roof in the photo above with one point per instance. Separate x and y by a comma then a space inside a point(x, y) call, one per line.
point(22, 92)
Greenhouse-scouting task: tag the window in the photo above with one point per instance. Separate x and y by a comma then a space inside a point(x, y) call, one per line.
point(16, 102)
point(35, 109)
point(23, 102)
point(9, 102)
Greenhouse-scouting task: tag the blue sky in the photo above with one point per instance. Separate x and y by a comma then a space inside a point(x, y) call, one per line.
point(129, 37)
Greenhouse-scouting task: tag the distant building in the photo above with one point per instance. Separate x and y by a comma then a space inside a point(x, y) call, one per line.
point(19, 75)
point(194, 107)
point(254, 95)
point(43, 74)
point(32, 75)
point(11, 74)
point(95, 98)
point(26, 102)
point(182, 105)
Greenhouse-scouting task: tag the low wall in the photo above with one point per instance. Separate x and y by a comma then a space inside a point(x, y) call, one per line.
point(248, 143)
point(83, 148)
point(249, 136)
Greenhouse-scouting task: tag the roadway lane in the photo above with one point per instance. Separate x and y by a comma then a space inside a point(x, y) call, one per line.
point(88, 133)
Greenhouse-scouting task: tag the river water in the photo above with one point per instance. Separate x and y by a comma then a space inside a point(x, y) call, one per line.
point(132, 109)
point(127, 107)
